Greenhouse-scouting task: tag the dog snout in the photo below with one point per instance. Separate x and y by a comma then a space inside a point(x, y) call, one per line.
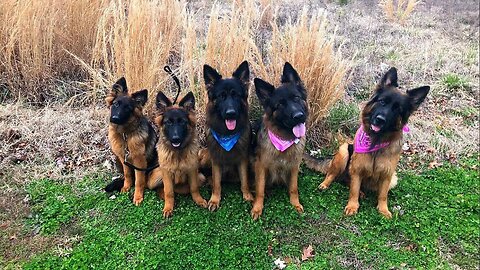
point(230, 113)
point(176, 139)
point(115, 119)
point(380, 120)
point(299, 116)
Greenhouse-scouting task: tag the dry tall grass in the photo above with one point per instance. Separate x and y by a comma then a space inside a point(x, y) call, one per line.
point(95, 42)
point(399, 11)
point(136, 39)
point(34, 38)
point(306, 44)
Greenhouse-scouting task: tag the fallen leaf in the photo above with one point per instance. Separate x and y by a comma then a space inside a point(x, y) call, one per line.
point(270, 252)
point(307, 253)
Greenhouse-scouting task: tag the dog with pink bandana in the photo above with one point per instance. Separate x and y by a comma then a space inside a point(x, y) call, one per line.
point(281, 136)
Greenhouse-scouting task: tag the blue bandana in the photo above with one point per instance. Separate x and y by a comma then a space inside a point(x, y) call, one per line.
point(226, 142)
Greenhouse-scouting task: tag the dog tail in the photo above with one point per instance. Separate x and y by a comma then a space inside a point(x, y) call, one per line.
point(115, 185)
point(317, 164)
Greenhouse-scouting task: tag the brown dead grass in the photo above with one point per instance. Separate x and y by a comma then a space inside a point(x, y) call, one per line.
point(308, 46)
point(34, 39)
point(399, 10)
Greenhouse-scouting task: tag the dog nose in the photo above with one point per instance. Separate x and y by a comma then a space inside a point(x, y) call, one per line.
point(380, 119)
point(298, 115)
point(230, 113)
point(176, 139)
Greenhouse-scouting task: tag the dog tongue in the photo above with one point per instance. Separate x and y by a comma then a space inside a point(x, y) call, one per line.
point(299, 130)
point(231, 124)
point(375, 128)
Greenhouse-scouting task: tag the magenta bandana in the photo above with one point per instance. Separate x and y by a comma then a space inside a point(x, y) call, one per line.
point(362, 143)
point(280, 143)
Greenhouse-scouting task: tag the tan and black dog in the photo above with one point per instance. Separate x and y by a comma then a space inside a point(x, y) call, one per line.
point(281, 136)
point(132, 139)
point(370, 162)
point(177, 150)
point(229, 132)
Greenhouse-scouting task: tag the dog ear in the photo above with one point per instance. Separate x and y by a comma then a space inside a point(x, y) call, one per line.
point(242, 73)
point(210, 75)
point(390, 78)
point(289, 75)
point(140, 97)
point(162, 102)
point(263, 90)
point(120, 86)
point(417, 96)
point(188, 102)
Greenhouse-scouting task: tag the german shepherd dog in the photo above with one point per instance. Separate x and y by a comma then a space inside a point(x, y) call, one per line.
point(370, 162)
point(177, 150)
point(228, 138)
point(281, 137)
point(132, 139)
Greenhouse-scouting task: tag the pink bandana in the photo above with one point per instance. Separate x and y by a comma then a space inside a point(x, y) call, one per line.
point(362, 141)
point(280, 143)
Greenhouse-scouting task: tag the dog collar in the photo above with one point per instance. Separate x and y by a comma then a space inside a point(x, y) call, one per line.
point(363, 144)
point(279, 143)
point(226, 142)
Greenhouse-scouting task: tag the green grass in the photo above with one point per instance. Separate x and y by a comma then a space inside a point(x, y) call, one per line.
point(454, 81)
point(435, 225)
point(343, 117)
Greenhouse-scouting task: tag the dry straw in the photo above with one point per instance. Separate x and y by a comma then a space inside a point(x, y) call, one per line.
point(46, 43)
point(399, 10)
point(306, 44)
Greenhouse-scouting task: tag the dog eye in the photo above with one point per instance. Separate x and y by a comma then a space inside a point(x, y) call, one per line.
point(382, 102)
point(168, 122)
point(296, 98)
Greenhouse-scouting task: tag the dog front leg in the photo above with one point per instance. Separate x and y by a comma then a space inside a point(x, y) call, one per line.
point(352, 205)
point(193, 183)
point(140, 180)
point(383, 189)
point(128, 178)
point(169, 194)
point(293, 189)
point(243, 173)
point(214, 201)
point(259, 190)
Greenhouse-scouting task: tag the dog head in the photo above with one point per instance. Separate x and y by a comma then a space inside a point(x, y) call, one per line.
point(176, 122)
point(286, 106)
point(227, 107)
point(123, 106)
point(389, 108)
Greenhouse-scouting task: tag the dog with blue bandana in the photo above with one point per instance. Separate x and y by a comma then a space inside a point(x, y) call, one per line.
point(229, 132)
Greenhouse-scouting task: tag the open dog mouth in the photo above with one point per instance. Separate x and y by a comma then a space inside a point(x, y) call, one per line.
point(299, 130)
point(231, 124)
point(176, 145)
point(375, 128)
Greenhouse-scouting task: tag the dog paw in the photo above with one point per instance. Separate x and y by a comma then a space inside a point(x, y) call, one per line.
point(385, 212)
point(202, 203)
point(247, 196)
point(323, 186)
point(167, 212)
point(256, 212)
point(351, 209)
point(137, 200)
point(125, 189)
point(299, 208)
point(213, 204)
